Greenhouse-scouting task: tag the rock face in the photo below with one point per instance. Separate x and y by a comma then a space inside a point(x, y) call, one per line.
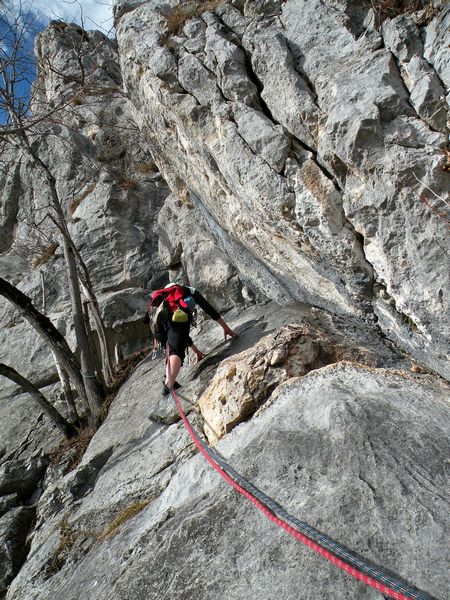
point(13, 551)
point(245, 381)
point(305, 137)
point(355, 451)
point(287, 159)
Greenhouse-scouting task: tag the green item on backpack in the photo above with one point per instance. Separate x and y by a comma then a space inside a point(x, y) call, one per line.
point(179, 316)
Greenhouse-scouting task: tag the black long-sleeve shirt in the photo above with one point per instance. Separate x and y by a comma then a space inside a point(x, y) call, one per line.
point(202, 302)
point(178, 332)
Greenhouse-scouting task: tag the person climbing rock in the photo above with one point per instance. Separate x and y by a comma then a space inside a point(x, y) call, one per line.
point(172, 311)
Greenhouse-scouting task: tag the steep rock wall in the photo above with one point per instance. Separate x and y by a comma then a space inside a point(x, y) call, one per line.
point(305, 136)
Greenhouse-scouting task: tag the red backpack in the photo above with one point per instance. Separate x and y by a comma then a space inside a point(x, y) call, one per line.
point(173, 296)
point(162, 305)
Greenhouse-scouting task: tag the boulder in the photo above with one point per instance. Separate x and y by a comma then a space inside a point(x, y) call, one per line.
point(245, 381)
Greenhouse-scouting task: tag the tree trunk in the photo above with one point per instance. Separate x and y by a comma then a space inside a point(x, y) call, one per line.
point(107, 369)
point(64, 426)
point(63, 377)
point(93, 346)
point(88, 291)
point(48, 333)
point(87, 368)
point(67, 392)
point(87, 363)
point(118, 353)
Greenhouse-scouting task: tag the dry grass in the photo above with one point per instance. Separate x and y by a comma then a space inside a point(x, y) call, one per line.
point(122, 517)
point(184, 198)
point(127, 184)
point(68, 537)
point(126, 367)
point(438, 205)
point(146, 168)
point(78, 444)
point(389, 9)
point(182, 13)
point(76, 100)
point(439, 209)
point(75, 203)
point(46, 255)
point(446, 165)
point(408, 322)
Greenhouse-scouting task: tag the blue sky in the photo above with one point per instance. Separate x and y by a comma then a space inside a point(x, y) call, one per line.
point(91, 14)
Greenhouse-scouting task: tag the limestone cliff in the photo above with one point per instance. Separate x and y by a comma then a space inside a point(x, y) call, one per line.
point(305, 137)
point(288, 158)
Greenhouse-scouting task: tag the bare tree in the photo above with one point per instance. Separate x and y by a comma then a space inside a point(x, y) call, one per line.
point(66, 391)
point(87, 289)
point(52, 337)
point(22, 131)
point(63, 425)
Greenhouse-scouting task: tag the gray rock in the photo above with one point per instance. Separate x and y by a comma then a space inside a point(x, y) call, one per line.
point(292, 449)
point(139, 448)
point(228, 62)
point(284, 91)
point(7, 502)
point(402, 36)
point(265, 139)
point(21, 477)
point(185, 239)
point(437, 38)
point(195, 29)
point(26, 437)
point(14, 526)
point(357, 121)
point(428, 98)
point(232, 18)
point(261, 7)
point(37, 365)
point(427, 95)
point(163, 65)
point(199, 81)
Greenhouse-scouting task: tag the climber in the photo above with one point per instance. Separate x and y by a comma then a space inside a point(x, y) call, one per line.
point(173, 328)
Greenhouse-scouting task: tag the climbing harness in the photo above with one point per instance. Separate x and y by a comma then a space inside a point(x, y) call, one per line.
point(390, 585)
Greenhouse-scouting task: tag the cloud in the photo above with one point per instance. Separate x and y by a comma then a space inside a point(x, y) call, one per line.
point(91, 14)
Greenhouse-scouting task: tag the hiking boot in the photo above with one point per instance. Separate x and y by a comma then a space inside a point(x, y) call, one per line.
point(166, 390)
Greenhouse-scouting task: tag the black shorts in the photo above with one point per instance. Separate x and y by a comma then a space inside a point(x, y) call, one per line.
point(179, 339)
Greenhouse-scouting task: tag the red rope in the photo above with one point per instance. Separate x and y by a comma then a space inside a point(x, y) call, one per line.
point(293, 532)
